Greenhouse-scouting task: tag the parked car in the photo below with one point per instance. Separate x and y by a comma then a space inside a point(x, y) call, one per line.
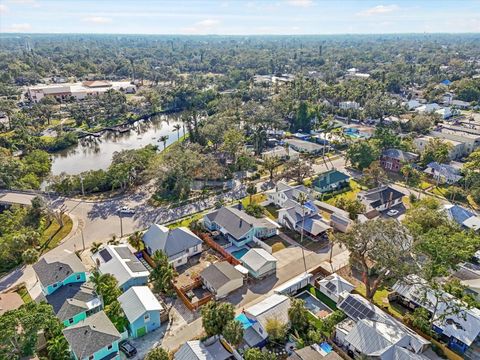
point(128, 349)
point(392, 212)
point(126, 210)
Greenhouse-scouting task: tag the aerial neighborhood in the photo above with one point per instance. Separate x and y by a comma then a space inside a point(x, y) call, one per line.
point(239, 197)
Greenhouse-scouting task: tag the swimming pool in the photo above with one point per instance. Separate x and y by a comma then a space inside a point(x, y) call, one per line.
point(315, 306)
point(239, 253)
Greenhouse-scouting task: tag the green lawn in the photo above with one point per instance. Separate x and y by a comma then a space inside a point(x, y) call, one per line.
point(272, 211)
point(23, 292)
point(256, 199)
point(185, 222)
point(276, 242)
point(381, 300)
point(322, 297)
point(52, 235)
point(351, 194)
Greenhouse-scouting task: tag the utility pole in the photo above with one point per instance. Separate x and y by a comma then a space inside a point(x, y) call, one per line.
point(121, 225)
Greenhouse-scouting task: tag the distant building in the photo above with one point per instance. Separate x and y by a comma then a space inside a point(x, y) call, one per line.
point(457, 150)
point(179, 244)
point(380, 199)
point(467, 219)
point(303, 146)
point(119, 261)
point(427, 108)
point(394, 159)
point(346, 105)
point(78, 91)
point(443, 173)
point(330, 181)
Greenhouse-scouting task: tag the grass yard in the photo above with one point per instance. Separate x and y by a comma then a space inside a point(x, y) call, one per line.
point(381, 300)
point(23, 292)
point(185, 222)
point(53, 235)
point(256, 199)
point(355, 188)
point(424, 185)
point(271, 211)
point(322, 297)
point(277, 243)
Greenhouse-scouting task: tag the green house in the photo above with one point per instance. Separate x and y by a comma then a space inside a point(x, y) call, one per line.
point(330, 181)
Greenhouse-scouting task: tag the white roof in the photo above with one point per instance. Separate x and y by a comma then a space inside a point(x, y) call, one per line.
point(460, 322)
point(275, 306)
point(296, 280)
point(137, 300)
point(241, 269)
point(336, 284)
point(257, 258)
point(119, 266)
point(196, 349)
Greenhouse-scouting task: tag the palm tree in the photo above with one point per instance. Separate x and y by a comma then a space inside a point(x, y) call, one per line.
point(57, 348)
point(95, 247)
point(113, 240)
point(163, 139)
point(177, 128)
point(135, 240)
point(30, 256)
point(251, 190)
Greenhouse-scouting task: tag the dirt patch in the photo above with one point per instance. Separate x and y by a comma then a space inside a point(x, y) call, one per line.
point(189, 272)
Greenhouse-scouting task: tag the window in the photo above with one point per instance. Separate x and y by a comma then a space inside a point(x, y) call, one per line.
point(146, 317)
point(55, 285)
point(260, 330)
point(79, 276)
point(91, 357)
point(70, 321)
point(109, 347)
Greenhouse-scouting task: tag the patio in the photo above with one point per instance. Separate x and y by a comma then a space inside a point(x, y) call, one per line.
point(188, 273)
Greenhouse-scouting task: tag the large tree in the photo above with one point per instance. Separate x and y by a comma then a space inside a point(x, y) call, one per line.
point(361, 154)
point(216, 316)
point(162, 274)
point(381, 249)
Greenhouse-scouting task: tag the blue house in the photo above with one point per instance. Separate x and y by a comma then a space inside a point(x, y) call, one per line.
point(446, 82)
point(53, 273)
point(94, 338)
point(330, 181)
point(142, 310)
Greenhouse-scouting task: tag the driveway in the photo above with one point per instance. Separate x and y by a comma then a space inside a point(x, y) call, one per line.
point(145, 343)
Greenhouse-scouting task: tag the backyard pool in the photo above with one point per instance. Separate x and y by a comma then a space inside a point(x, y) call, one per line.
point(315, 306)
point(239, 253)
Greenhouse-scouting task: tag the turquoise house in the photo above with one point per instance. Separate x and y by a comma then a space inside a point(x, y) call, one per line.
point(142, 310)
point(74, 302)
point(94, 338)
point(53, 273)
point(331, 180)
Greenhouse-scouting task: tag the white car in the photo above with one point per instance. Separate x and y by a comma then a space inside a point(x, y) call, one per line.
point(126, 210)
point(392, 212)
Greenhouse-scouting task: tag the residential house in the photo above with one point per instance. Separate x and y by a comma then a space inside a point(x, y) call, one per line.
point(210, 349)
point(179, 244)
point(459, 104)
point(239, 227)
point(339, 218)
point(446, 112)
point(303, 146)
point(119, 261)
point(282, 153)
point(457, 150)
point(55, 272)
point(292, 286)
point(413, 104)
point(428, 108)
point(330, 181)
point(468, 274)
point(293, 214)
point(259, 263)
point(443, 173)
point(221, 278)
point(255, 318)
point(74, 302)
point(334, 285)
point(142, 310)
point(456, 324)
point(394, 159)
point(94, 338)
point(380, 199)
point(467, 219)
point(346, 105)
point(371, 332)
point(313, 352)
point(468, 136)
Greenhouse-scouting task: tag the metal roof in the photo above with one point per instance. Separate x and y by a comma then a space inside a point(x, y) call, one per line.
point(138, 300)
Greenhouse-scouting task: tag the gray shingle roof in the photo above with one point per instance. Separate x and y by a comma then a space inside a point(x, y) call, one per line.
point(381, 195)
point(237, 222)
point(400, 155)
point(174, 242)
point(255, 258)
point(90, 335)
point(72, 299)
point(50, 271)
point(220, 273)
point(197, 350)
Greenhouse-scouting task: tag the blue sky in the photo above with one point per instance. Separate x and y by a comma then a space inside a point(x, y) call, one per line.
point(239, 17)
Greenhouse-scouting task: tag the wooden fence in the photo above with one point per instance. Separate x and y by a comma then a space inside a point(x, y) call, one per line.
point(192, 306)
point(207, 239)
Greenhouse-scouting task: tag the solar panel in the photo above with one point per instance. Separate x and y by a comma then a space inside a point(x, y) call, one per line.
point(136, 266)
point(125, 253)
point(105, 255)
point(356, 309)
point(330, 286)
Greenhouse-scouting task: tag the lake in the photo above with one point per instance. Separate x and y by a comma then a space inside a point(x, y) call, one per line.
point(96, 153)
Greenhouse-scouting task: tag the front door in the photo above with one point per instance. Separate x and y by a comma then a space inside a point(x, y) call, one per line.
point(141, 331)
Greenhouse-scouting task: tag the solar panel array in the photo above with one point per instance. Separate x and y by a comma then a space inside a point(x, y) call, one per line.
point(136, 266)
point(356, 309)
point(105, 255)
point(124, 252)
point(330, 286)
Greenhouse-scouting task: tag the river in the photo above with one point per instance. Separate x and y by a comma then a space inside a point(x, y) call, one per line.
point(96, 153)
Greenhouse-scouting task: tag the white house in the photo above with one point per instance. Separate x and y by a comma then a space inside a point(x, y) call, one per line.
point(413, 104)
point(346, 105)
point(259, 263)
point(427, 108)
point(380, 199)
point(443, 173)
point(178, 244)
point(119, 261)
point(221, 278)
point(334, 285)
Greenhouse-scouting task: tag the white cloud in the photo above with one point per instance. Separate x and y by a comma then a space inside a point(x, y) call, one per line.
point(25, 27)
point(32, 3)
point(97, 20)
point(202, 27)
point(300, 3)
point(379, 10)
point(3, 9)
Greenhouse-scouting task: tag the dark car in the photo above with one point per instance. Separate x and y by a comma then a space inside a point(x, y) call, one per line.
point(128, 349)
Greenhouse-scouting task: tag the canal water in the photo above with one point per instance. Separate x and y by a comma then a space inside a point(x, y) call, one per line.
point(96, 153)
